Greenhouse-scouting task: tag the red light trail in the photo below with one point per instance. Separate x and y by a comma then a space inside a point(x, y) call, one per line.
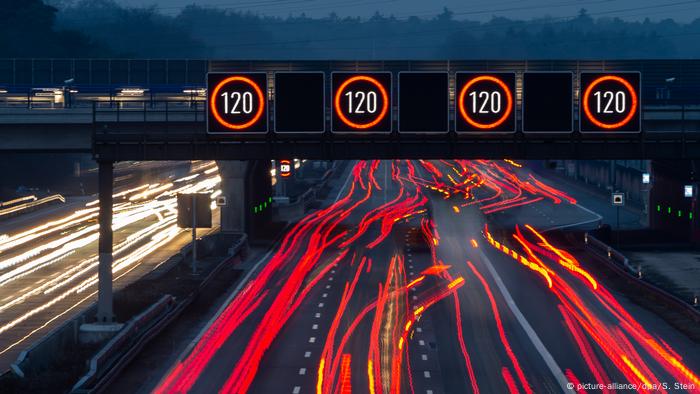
point(366, 339)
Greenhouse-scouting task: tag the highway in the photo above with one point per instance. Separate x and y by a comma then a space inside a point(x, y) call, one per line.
point(48, 258)
point(433, 277)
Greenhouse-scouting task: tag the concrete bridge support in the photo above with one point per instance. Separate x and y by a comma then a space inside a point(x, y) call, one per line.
point(233, 187)
point(105, 295)
point(248, 191)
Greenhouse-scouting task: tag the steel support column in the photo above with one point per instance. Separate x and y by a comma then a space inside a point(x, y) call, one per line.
point(105, 313)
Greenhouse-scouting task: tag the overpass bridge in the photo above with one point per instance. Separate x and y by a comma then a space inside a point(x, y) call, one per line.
point(156, 110)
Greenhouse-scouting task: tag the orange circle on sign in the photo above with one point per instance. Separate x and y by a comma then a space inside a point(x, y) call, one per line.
point(288, 173)
point(385, 102)
point(509, 102)
point(630, 89)
point(258, 92)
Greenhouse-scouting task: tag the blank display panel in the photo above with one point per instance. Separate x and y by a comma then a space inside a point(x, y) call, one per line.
point(423, 102)
point(548, 102)
point(300, 102)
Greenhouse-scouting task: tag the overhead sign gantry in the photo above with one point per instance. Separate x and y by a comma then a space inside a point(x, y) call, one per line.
point(375, 103)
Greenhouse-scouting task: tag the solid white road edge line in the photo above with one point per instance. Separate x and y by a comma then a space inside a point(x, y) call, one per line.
point(233, 294)
point(539, 346)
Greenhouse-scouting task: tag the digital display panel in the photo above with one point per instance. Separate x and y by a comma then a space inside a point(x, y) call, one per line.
point(423, 102)
point(548, 102)
point(300, 102)
point(236, 103)
point(361, 102)
point(610, 102)
point(485, 102)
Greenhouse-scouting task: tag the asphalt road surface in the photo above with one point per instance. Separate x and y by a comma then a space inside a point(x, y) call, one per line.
point(434, 277)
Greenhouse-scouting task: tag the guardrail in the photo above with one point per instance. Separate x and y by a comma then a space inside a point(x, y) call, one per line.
point(29, 206)
point(620, 264)
point(611, 253)
point(60, 101)
point(149, 111)
point(109, 354)
point(304, 201)
point(99, 377)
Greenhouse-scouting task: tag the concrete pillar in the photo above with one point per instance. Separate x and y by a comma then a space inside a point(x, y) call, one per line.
point(105, 295)
point(233, 187)
point(611, 176)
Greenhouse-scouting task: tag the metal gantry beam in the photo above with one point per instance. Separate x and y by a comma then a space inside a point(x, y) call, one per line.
point(180, 144)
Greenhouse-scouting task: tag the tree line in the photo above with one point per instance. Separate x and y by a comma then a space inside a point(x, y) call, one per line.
point(103, 28)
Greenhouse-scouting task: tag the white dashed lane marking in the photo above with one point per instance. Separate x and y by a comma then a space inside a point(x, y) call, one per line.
point(296, 390)
point(312, 340)
point(302, 371)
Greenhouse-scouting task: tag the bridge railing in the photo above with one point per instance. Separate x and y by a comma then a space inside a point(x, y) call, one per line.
point(150, 111)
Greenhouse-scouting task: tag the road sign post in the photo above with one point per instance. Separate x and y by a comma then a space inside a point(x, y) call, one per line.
point(194, 211)
point(194, 236)
point(618, 200)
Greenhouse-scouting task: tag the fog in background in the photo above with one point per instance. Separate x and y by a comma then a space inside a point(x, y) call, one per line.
point(363, 29)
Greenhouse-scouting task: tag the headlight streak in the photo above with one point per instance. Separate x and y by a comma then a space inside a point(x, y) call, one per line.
point(77, 231)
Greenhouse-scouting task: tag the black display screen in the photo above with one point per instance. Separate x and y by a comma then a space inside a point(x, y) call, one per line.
point(423, 102)
point(548, 102)
point(300, 102)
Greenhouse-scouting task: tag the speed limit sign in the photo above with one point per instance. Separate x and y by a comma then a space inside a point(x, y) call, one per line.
point(236, 103)
point(610, 102)
point(485, 102)
point(285, 168)
point(361, 102)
